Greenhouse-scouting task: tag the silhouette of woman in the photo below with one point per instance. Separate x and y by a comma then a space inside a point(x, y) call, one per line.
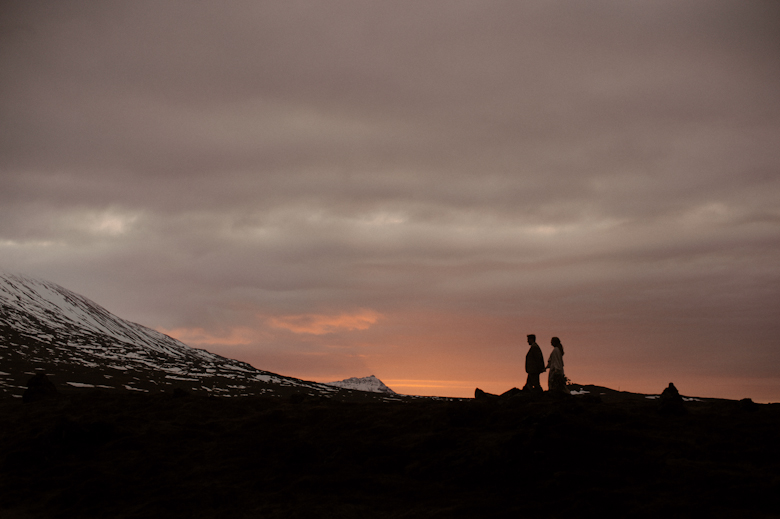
point(556, 380)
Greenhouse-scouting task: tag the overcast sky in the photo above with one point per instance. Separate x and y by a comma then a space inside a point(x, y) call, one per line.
point(328, 189)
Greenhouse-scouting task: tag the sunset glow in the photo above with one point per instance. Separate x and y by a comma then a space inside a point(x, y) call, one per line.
point(315, 324)
point(199, 337)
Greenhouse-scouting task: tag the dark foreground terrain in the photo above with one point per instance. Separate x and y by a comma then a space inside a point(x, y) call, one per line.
point(104, 453)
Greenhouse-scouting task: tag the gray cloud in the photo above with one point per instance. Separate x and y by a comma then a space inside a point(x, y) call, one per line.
point(605, 171)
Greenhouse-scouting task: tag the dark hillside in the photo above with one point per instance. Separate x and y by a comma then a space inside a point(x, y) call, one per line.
point(92, 453)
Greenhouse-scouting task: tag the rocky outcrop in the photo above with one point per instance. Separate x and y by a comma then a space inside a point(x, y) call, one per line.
point(671, 402)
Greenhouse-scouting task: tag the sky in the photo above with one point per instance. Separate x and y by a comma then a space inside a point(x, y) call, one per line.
point(407, 188)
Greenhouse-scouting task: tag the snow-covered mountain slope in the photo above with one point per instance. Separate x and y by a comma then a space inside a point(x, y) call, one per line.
point(44, 326)
point(369, 383)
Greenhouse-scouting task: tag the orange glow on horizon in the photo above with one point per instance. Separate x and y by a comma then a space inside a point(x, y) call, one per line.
point(444, 384)
point(443, 388)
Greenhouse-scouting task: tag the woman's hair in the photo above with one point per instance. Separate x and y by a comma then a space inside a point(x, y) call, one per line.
point(556, 342)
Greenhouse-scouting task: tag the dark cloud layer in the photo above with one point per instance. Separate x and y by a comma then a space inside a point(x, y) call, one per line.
point(422, 183)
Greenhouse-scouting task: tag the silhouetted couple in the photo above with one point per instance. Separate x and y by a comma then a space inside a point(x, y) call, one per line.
point(534, 366)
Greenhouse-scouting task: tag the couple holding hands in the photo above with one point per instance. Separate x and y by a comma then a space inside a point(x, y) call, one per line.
point(534, 366)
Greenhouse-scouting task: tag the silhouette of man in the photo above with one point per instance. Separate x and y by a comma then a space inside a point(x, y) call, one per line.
point(534, 365)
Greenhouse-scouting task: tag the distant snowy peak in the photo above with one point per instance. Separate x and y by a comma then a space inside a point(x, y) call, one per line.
point(370, 384)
